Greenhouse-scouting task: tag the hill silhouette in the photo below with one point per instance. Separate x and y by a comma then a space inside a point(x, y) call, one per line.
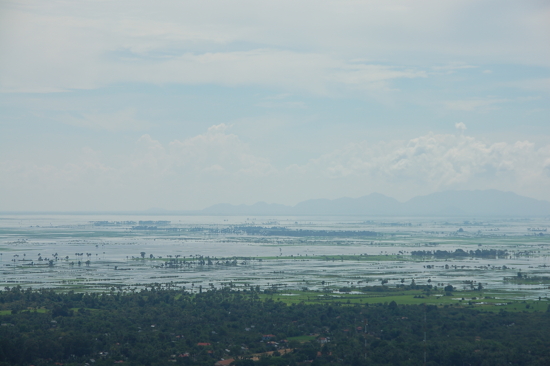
point(448, 203)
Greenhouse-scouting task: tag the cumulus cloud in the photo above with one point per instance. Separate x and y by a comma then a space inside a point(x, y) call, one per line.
point(460, 126)
point(217, 166)
point(214, 153)
point(217, 151)
point(434, 162)
point(204, 168)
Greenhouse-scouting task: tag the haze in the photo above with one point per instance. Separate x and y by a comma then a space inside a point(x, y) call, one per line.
point(129, 105)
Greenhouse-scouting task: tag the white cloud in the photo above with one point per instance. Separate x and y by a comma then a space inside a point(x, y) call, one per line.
point(217, 151)
point(204, 168)
point(299, 52)
point(55, 46)
point(460, 126)
point(217, 166)
point(434, 162)
point(289, 70)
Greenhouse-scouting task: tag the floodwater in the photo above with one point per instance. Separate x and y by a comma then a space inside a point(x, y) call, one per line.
point(75, 252)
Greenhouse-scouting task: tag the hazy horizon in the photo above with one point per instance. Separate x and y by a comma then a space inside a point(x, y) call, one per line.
point(127, 106)
point(461, 203)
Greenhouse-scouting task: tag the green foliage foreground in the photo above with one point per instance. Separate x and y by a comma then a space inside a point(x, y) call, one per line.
point(160, 327)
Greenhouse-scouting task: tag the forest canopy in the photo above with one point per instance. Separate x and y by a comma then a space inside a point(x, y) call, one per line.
point(157, 326)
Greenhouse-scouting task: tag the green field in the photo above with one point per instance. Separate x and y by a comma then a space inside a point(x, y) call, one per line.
point(302, 339)
point(482, 300)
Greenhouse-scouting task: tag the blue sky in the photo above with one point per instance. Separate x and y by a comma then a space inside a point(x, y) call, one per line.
point(123, 105)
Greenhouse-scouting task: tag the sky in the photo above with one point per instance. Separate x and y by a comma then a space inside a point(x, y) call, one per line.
point(131, 105)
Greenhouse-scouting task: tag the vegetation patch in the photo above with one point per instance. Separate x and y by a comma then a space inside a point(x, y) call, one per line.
point(159, 326)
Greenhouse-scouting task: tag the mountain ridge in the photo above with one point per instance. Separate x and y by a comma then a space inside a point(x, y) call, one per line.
point(489, 202)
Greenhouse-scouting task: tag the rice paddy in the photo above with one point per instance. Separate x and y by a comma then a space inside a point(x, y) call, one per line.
point(113, 253)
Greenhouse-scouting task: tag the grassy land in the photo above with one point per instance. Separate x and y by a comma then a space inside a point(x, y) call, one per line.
point(303, 339)
point(341, 258)
point(483, 300)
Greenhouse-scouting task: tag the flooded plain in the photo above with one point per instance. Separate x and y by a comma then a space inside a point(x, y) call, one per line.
point(105, 252)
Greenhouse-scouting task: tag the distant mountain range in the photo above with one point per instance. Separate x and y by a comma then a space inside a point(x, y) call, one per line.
point(449, 203)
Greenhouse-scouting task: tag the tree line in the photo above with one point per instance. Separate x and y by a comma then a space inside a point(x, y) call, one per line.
point(460, 253)
point(159, 326)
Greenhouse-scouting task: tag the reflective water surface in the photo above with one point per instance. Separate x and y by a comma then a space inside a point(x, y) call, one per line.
point(98, 252)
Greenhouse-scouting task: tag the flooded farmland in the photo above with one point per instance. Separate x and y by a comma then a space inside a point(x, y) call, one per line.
point(102, 252)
